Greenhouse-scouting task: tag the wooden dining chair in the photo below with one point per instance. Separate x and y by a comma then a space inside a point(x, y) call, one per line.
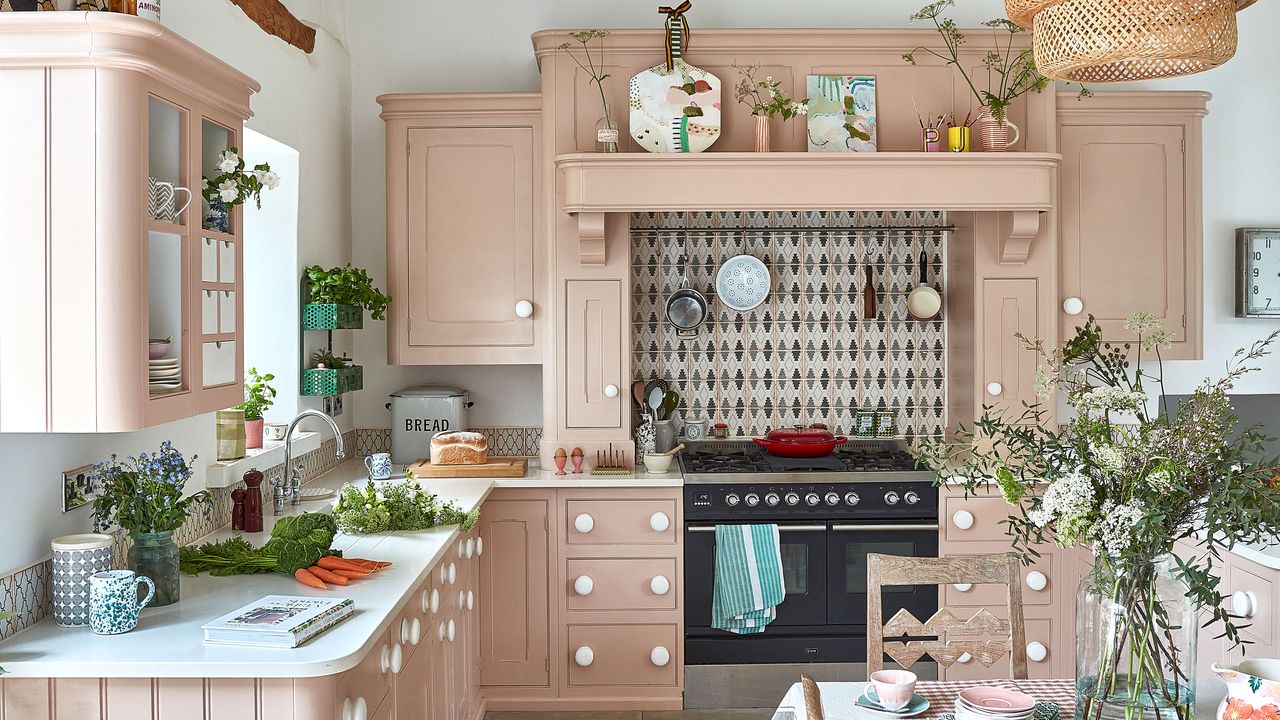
point(955, 636)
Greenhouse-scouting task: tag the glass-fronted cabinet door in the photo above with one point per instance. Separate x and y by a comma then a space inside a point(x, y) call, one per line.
point(220, 257)
point(167, 198)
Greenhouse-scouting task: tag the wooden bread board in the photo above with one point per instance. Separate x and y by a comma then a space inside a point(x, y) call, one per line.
point(496, 467)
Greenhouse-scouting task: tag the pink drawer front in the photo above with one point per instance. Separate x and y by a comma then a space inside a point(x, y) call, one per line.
point(622, 655)
point(1040, 574)
point(622, 584)
point(1254, 597)
point(620, 522)
point(975, 519)
point(1039, 630)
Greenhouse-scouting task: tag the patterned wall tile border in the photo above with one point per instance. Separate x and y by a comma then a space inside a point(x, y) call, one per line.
point(503, 441)
point(28, 591)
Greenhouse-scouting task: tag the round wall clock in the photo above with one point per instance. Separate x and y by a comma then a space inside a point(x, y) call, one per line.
point(1257, 273)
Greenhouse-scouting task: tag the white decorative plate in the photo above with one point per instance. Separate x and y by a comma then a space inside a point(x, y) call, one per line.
point(316, 493)
point(743, 282)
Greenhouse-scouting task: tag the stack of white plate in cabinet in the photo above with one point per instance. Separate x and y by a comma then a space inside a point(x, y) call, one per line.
point(994, 703)
point(164, 375)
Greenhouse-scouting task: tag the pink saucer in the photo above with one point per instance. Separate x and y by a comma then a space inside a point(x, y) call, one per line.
point(998, 700)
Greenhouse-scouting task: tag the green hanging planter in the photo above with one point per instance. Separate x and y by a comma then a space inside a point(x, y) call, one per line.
point(329, 316)
point(332, 381)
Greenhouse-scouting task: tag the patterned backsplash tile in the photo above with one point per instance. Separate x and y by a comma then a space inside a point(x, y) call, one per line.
point(805, 354)
point(503, 441)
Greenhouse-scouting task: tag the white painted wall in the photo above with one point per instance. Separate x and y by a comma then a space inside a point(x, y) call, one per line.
point(410, 46)
point(303, 103)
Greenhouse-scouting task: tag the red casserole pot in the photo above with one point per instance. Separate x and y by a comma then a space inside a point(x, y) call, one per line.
point(801, 442)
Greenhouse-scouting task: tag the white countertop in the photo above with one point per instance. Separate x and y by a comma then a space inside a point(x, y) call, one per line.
point(168, 640)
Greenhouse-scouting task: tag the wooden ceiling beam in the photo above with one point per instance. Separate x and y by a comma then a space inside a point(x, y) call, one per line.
point(274, 18)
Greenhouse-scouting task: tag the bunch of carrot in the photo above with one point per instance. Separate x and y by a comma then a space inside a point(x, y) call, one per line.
point(337, 571)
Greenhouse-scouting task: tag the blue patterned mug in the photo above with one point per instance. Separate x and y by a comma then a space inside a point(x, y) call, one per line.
point(378, 465)
point(113, 600)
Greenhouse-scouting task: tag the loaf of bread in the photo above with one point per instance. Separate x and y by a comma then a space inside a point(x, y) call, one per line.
point(459, 448)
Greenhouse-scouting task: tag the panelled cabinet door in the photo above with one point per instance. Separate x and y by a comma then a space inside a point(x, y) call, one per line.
point(593, 346)
point(1008, 368)
point(513, 583)
point(1124, 228)
point(470, 236)
point(413, 688)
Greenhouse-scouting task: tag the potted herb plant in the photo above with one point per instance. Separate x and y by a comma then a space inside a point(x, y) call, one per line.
point(766, 100)
point(338, 297)
point(258, 397)
point(331, 375)
point(233, 186)
point(1010, 74)
point(1127, 484)
point(144, 496)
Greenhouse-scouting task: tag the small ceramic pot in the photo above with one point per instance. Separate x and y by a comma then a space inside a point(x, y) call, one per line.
point(274, 432)
point(75, 559)
point(997, 135)
point(695, 429)
point(253, 433)
point(657, 464)
point(664, 435)
point(113, 601)
point(217, 217)
point(762, 133)
point(379, 466)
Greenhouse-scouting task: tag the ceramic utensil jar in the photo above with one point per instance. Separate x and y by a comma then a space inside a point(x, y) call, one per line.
point(113, 600)
point(75, 559)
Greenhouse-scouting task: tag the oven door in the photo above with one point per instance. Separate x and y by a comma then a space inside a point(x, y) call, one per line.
point(849, 545)
point(804, 573)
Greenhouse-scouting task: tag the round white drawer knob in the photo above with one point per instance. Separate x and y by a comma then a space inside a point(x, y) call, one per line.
point(584, 656)
point(964, 658)
point(479, 546)
point(425, 601)
point(458, 549)
point(660, 585)
point(994, 388)
point(415, 631)
point(435, 600)
point(360, 709)
point(444, 574)
point(1244, 604)
point(471, 600)
point(404, 630)
point(385, 660)
point(462, 600)
point(441, 631)
point(583, 585)
point(453, 573)
point(1073, 306)
point(611, 391)
point(452, 631)
point(963, 587)
point(347, 707)
point(470, 549)
point(524, 309)
point(660, 656)
point(1037, 652)
point(1037, 580)
point(584, 523)
point(659, 522)
point(963, 519)
point(397, 658)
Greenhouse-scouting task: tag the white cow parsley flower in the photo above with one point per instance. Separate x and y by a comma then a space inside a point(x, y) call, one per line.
point(1142, 322)
point(1111, 398)
point(1109, 458)
point(1114, 533)
point(1068, 501)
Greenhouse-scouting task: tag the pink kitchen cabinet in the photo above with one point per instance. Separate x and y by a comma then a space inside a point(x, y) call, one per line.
point(1008, 367)
point(1131, 207)
point(593, 381)
point(463, 222)
point(513, 588)
point(98, 103)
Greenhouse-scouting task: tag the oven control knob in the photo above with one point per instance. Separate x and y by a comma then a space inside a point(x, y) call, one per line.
point(912, 497)
point(772, 499)
point(832, 498)
point(812, 499)
point(793, 499)
point(891, 498)
point(752, 499)
point(732, 499)
point(851, 499)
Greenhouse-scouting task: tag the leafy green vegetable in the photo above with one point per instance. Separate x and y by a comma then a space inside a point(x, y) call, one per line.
point(396, 506)
point(297, 541)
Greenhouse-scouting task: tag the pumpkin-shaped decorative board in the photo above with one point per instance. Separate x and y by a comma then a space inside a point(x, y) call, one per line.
point(675, 107)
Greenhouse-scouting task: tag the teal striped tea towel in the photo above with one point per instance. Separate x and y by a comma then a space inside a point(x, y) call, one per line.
point(748, 579)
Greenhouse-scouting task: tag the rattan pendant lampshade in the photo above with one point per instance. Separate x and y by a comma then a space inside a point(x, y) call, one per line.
point(1099, 41)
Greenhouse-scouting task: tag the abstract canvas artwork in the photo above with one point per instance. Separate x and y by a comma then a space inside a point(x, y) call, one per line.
point(842, 113)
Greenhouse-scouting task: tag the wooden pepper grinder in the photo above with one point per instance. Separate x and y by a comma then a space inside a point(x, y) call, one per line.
point(237, 509)
point(253, 501)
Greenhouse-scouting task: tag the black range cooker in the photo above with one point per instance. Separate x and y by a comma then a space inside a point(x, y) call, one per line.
point(867, 497)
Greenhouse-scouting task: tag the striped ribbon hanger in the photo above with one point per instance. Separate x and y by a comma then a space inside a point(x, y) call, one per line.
point(676, 13)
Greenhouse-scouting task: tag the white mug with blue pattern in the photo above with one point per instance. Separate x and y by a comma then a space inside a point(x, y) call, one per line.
point(379, 466)
point(113, 600)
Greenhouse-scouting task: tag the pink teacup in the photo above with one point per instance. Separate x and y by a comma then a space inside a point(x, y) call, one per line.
point(894, 688)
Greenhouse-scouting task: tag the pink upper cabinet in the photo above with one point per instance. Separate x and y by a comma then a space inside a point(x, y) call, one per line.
point(462, 223)
point(103, 268)
point(1131, 208)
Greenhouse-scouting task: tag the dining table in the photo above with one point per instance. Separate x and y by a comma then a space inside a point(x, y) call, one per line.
point(839, 698)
